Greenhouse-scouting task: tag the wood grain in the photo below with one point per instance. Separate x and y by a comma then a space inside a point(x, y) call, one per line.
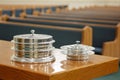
point(87, 36)
point(0, 12)
point(60, 69)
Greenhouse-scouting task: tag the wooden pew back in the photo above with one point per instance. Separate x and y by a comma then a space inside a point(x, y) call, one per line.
point(112, 48)
point(23, 15)
point(63, 36)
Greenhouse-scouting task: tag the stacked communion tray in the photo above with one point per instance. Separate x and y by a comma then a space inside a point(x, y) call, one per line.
point(33, 48)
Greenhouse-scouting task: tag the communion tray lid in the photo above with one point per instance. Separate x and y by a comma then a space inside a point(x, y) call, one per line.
point(35, 36)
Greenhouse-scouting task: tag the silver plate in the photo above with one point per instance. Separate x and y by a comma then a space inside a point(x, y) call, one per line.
point(33, 60)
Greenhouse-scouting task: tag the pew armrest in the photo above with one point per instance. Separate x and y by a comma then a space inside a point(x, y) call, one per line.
point(36, 13)
point(87, 34)
point(23, 15)
point(48, 11)
point(58, 10)
point(112, 48)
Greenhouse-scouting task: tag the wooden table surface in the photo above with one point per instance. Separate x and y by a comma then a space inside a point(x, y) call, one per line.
point(60, 69)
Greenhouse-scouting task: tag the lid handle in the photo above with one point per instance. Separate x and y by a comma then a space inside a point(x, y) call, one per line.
point(33, 32)
point(76, 47)
point(77, 42)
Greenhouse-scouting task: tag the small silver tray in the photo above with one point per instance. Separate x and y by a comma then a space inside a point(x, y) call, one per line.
point(77, 51)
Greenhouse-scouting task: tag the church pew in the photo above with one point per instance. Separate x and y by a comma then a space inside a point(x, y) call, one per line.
point(110, 10)
point(99, 31)
point(52, 9)
point(38, 9)
point(21, 6)
point(82, 16)
point(112, 48)
point(6, 12)
point(88, 13)
point(17, 12)
point(69, 19)
point(96, 11)
point(88, 16)
point(44, 10)
point(61, 35)
point(29, 9)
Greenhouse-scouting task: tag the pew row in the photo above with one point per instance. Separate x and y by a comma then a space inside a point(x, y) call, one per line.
point(97, 11)
point(84, 13)
point(63, 36)
point(11, 6)
point(47, 10)
point(24, 15)
point(85, 16)
point(99, 32)
point(82, 16)
point(93, 13)
point(32, 10)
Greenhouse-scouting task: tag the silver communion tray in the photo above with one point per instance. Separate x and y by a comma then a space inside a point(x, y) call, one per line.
point(77, 51)
point(33, 48)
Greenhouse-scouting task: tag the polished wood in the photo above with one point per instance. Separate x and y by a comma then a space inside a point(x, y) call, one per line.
point(0, 12)
point(58, 10)
point(60, 69)
point(35, 13)
point(48, 11)
point(112, 48)
point(87, 36)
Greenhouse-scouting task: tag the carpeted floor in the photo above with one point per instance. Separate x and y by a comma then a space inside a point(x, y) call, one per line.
point(114, 76)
